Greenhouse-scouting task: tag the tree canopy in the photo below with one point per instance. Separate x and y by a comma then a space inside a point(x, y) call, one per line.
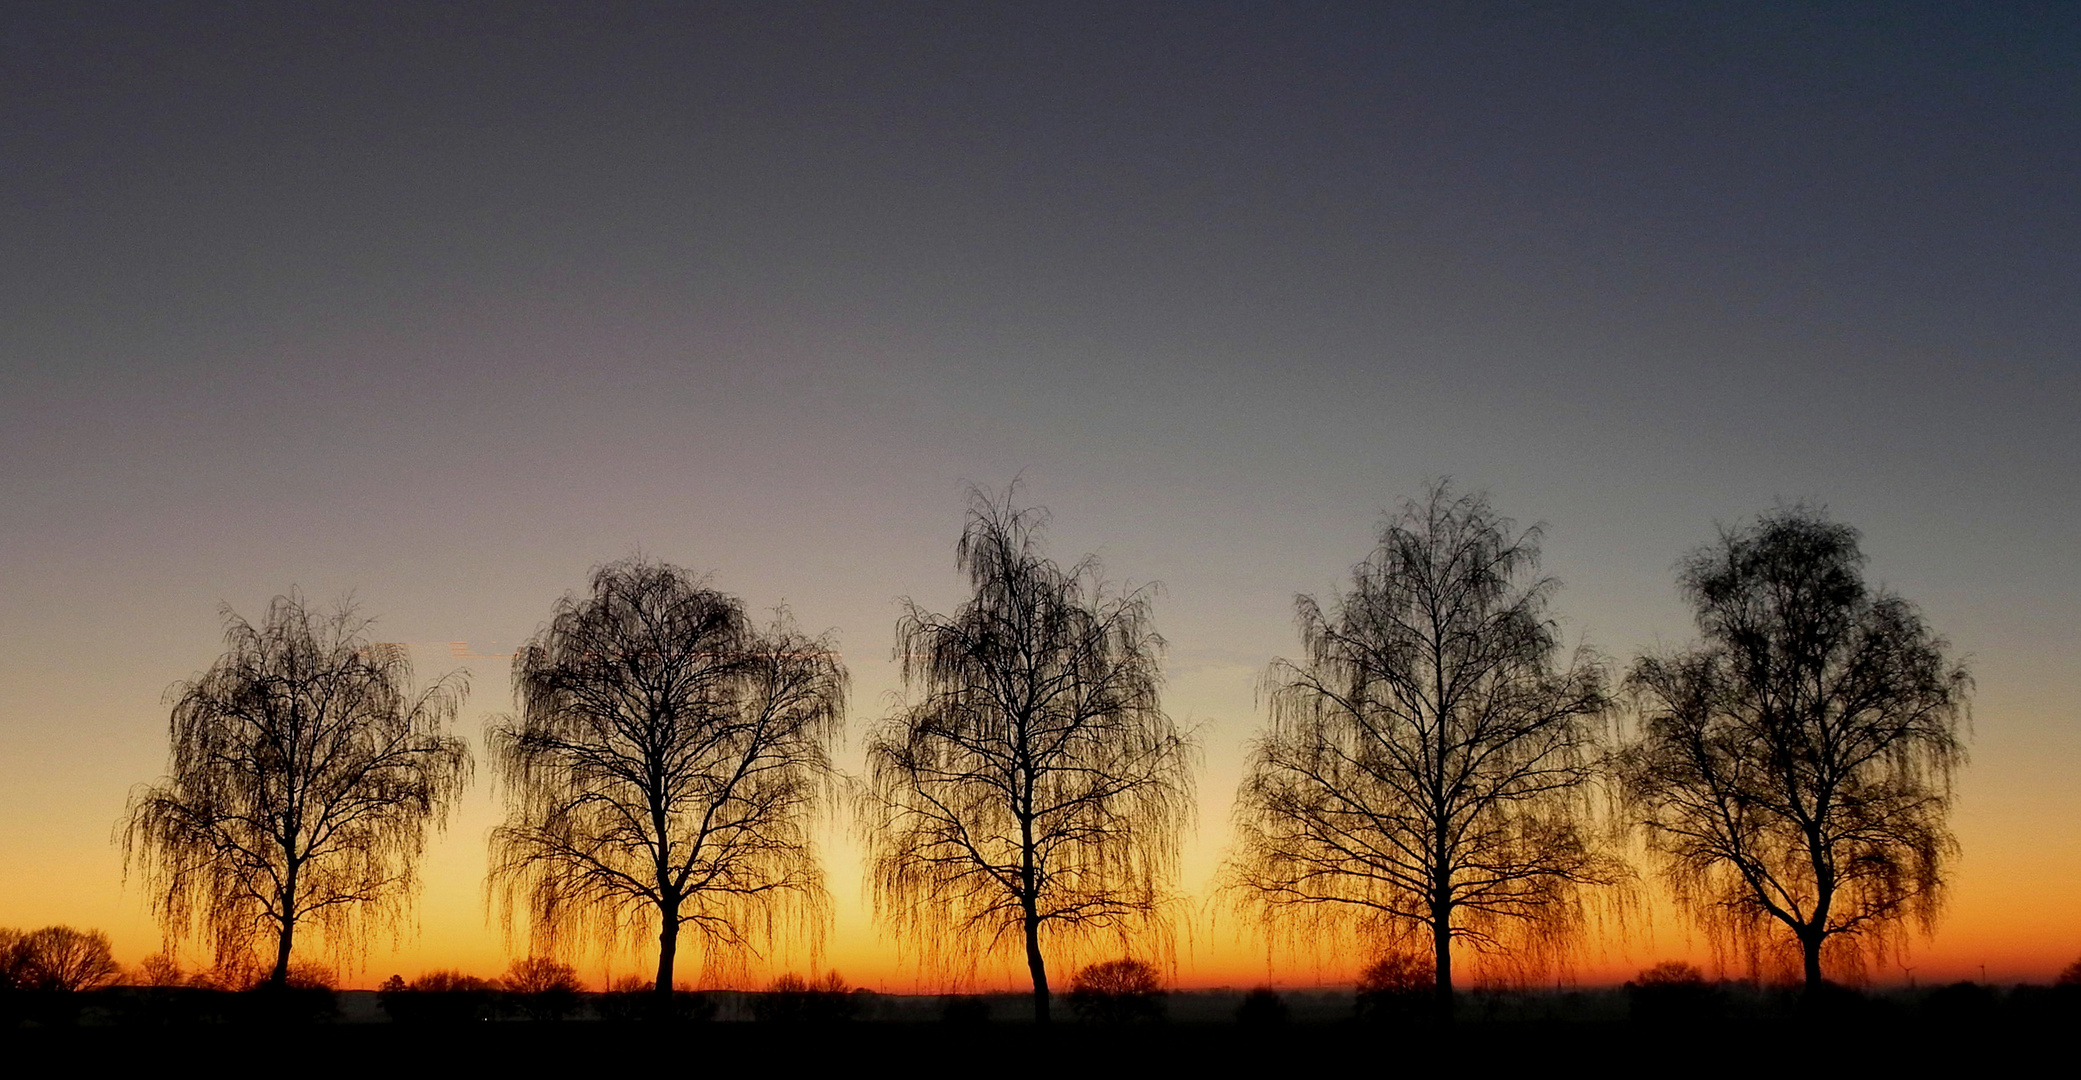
point(663, 767)
point(305, 773)
point(1032, 790)
point(1426, 766)
point(1794, 768)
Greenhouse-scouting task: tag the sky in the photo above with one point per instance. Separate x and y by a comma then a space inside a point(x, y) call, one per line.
point(438, 307)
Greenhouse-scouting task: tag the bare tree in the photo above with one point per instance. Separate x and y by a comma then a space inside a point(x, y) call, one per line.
point(62, 958)
point(305, 772)
point(56, 958)
point(159, 969)
point(1114, 992)
point(662, 770)
point(1426, 767)
point(540, 988)
point(1032, 784)
point(1795, 767)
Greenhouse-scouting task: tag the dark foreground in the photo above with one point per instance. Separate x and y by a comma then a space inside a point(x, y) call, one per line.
point(732, 1049)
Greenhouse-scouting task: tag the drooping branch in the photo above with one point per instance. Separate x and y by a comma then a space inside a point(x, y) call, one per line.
point(663, 770)
point(304, 774)
point(1427, 768)
point(1794, 769)
point(1033, 784)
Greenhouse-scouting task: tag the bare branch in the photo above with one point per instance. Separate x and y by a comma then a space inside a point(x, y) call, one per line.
point(1426, 769)
point(304, 775)
point(1033, 787)
point(663, 769)
point(1795, 767)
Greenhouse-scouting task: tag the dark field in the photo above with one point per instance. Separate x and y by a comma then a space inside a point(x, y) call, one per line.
point(878, 1048)
point(1758, 1033)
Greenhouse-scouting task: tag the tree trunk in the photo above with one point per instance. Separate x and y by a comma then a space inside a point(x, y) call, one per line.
point(1810, 948)
point(1036, 966)
point(668, 951)
point(279, 977)
point(1441, 950)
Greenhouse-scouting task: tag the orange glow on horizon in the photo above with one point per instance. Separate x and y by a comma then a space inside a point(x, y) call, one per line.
point(2012, 915)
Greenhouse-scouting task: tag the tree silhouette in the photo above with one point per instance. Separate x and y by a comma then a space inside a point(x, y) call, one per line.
point(1673, 992)
point(1426, 767)
point(1123, 991)
point(793, 999)
point(56, 958)
point(305, 772)
point(437, 997)
point(541, 988)
point(15, 969)
point(1795, 767)
point(159, 970)
point(661, 771)
point(1032, 783)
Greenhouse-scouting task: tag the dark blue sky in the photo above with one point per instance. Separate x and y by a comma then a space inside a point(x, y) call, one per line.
point(444, 304)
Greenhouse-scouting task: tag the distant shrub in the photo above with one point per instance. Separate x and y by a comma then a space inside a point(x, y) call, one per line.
point(793, 999)
point(437, 997)
point(540, 988)
point(1396, 988)
point(159, 970)
point(1263, 1007)
point(305, 975)
point(627, 998)
point(1673, 992)
point(631, 998)
point(1123, 991)
point(452, 982)
point(233, 973)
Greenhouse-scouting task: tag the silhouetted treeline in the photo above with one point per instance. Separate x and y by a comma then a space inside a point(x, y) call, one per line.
point(1429, 782)
point(1665, 1003)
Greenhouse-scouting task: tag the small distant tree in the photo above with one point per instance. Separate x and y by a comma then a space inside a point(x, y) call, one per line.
point(305, 772)
point(663, 768)
point(1427, 767)
point(160, 970)
point(541, 988)
point(56, 958)
point(1032, 787)
point(1123, 991)
point(64, 959)
point(2069, 975)
point(1671, 973)
point(1794, 769)
point(539, 975)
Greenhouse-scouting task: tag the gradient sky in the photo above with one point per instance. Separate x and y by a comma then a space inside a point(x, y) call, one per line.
point(442, 305)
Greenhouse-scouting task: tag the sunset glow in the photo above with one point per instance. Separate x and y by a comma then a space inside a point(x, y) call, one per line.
point(439, 309)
